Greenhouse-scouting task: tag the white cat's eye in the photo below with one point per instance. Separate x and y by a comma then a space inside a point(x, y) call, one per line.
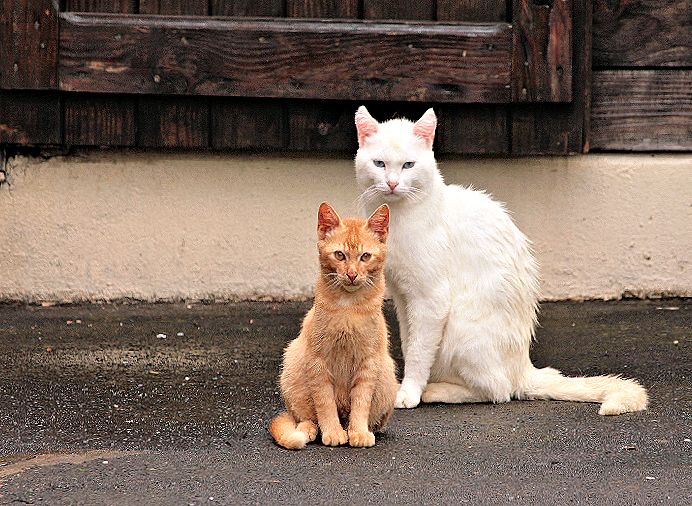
point(378, 163)
point(409, 165)
point(339, 255)
point(365, 257)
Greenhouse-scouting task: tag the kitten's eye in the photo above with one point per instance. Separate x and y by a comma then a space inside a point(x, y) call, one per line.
point(409, 165)
point(339, 256)
point(365, 257)
point(378, 163)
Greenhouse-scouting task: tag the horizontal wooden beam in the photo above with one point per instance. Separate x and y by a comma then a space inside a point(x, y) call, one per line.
point(354, 60)
point(642, 33)
point(642, 110)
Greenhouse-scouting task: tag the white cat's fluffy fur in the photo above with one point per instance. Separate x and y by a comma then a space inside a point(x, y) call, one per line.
point(464, 282)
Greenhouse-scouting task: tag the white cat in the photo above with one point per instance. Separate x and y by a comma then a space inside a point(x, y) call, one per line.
point(463, 280)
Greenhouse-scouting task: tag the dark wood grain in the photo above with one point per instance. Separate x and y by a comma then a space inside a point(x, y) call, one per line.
point(28, 44)
point(642, 110)
point(177, 7)
point(631, 33)
point(542, 58)
point(271, 8)
point(99, 120)
point(120, 6)
point(560, 128)
point(303, 59)
point(30, 117)
point(173, 122)
point(471, 10)
point(321, 126)
point(322, 9)
point(248, 123)
point(317, 124)
point(397, 9)
point(471, 129)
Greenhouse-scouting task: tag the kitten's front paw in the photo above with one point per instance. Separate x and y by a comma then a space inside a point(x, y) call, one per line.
point(407, 398)
point(334, 437)
point(364, 439)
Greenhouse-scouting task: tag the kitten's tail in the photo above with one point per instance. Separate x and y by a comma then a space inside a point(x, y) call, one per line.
point(617, 395)
point(283, 429)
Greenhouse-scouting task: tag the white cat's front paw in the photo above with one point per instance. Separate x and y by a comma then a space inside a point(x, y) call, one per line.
point(407, 398)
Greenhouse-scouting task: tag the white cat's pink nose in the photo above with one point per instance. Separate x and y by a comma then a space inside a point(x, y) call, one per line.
point(392, 184)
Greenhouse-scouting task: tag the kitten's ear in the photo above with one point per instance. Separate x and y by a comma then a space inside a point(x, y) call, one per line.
point(425, 127)
point(379, 222)
point(327, 220)
point(365, 124)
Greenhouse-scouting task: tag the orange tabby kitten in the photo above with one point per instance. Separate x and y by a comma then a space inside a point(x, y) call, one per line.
point(339, 371)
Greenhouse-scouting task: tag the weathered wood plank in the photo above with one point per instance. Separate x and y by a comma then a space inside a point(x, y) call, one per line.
point(115, 6)
point(634, 33)
point(318, 124)
point(396, 9)
point(560, 128)
point(463, 63)
point(99, 120)
point(542, 58)
point(173, 122)
point(271, 8)
point(471, 10)
point(30, 117)
point(642, 110)
point(28, 44)
point(322, 9)
point(174, 7)
point(321, 126)
point(247, 123)
point(472, 129)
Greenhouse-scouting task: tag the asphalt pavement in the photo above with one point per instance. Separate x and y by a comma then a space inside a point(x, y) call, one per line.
point(169, 404)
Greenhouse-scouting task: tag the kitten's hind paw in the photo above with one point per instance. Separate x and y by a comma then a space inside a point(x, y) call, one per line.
point(309, 429)
point(406, 398)
point(361, 439)
point(334, 437)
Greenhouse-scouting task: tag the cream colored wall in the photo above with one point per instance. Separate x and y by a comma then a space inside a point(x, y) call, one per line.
point(167, 226)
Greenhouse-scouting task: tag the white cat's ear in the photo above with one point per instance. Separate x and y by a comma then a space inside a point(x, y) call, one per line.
point(425, 127)
point(365, 124)
point(379, 222)
point(327, 220)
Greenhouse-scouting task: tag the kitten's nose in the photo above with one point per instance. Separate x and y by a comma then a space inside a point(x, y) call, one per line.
point(392, 184)
point(352, 276)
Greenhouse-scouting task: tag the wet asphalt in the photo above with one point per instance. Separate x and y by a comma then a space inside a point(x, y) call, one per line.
point(98, 407)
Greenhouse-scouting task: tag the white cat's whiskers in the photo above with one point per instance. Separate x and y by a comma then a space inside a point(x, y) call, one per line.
point(413, 194)
point(369, 194)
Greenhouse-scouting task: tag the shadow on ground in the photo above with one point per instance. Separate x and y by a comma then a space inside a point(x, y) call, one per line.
point(120, 414)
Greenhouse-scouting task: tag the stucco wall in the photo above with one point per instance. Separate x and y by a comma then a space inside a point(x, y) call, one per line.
point(108, 225)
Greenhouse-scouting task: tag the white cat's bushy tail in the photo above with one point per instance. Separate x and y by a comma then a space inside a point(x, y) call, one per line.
point(617, 395)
